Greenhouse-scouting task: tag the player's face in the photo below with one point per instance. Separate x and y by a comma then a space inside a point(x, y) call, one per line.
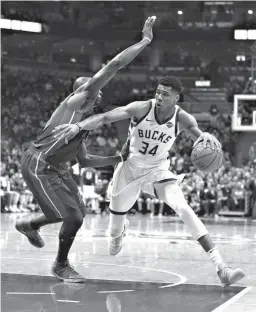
point(166, 96)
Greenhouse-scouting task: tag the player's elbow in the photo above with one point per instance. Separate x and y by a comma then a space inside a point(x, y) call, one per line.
point(104, 120)
point(84, 162)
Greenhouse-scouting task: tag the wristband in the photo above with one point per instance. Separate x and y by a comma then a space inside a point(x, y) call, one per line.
point(79, 127)
point(147, 39)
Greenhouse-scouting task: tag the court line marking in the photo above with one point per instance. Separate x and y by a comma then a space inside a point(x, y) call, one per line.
point(249, 304)
point(115, 291)
point(232, 300)
point(72, 301)
point(27, 293)
point(160, 239)
point(182, 278)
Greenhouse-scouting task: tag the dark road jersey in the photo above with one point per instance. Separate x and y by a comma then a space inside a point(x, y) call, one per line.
point(56, 150)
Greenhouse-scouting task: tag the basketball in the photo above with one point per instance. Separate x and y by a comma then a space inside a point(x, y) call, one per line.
point(205, 158)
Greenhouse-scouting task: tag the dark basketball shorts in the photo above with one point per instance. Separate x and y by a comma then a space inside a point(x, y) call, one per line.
point(53, 187)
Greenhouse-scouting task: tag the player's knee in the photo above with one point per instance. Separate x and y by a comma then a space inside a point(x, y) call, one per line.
point(78, 221)
point(172, 195)
point(75, 220)
point(185, 211)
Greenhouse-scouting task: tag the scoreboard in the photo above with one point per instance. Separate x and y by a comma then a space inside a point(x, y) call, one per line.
point(244, 115)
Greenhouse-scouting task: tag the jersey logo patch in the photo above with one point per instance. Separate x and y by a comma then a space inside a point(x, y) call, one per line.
point(169, 124)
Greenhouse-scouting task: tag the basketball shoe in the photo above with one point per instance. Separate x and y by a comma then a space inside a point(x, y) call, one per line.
point(66, 273)
point(33, 236)
point(229, 276)
point(116, 244)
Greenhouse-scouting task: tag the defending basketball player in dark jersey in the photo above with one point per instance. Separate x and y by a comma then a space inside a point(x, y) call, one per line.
point(44, 166)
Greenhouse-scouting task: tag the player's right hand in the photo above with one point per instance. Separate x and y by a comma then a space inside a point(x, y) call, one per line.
point(147, 29)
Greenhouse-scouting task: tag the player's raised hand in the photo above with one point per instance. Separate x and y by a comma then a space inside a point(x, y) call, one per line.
point(66, 131)
point(148, 26)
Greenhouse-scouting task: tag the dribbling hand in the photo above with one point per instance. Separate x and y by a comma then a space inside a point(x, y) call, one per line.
point(207, 137)
point(66, 131)
point(147, 29)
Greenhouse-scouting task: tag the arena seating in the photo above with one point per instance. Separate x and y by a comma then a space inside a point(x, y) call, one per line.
point(25, 107)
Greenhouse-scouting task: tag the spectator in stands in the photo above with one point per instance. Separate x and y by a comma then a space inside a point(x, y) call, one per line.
point(252, 153)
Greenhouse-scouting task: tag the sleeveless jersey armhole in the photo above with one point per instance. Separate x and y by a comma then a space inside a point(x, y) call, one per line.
point(177, 128)
point(143, 117)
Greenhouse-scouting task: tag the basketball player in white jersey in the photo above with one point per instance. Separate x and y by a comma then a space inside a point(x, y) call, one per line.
point(154, 127)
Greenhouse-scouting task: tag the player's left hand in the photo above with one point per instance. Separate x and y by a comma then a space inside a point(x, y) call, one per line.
point(66, 131)
point(207, 137)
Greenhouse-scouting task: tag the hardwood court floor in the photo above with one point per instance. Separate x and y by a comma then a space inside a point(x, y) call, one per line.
point(159, 269)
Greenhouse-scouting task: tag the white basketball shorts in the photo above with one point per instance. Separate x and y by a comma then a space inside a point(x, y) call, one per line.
point(129, 179)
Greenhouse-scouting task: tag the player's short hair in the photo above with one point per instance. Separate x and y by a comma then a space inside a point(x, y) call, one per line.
point(79, 82)
point(171, 81)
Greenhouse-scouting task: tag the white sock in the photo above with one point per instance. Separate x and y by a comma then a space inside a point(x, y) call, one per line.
point(215, 257)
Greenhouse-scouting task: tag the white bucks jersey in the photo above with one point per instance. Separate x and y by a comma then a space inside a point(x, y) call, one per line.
point(149, 141)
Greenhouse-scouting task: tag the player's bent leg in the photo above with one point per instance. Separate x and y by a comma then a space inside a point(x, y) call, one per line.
point(118, 225)
point(172, 195)
point(31, 229)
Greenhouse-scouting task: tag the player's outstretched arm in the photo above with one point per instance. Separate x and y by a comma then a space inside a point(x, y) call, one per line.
point(189, 123)
point(100, 79)
point(68, 131)
point(86, 160)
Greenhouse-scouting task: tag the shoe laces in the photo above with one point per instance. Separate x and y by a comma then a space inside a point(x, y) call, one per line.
point(71, 267)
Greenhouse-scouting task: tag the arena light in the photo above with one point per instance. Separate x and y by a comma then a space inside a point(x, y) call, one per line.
point(5, 23)
point(180, 12)
point(250, 12)
point(20, 25)
point(240, 58)
point(16, 25)
point(202, 83)
point(245, 34)
point(252, 34)
point(31, 27)
point(241, 34)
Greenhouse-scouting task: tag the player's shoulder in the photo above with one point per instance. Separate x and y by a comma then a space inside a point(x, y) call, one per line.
point(138, 108)
point(184, 117)
point(142, 104)
point(142, 107)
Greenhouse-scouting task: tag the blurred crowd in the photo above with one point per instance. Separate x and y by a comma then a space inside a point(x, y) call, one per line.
point(228, 189)
point(25, 110)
